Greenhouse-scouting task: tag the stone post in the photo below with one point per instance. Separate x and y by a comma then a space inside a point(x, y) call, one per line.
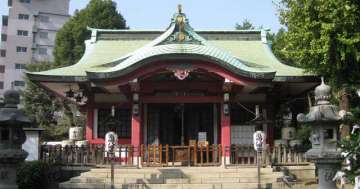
point(325, 119)
point(12, 136)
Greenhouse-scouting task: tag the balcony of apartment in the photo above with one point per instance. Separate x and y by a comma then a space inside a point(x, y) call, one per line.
point(50, 22)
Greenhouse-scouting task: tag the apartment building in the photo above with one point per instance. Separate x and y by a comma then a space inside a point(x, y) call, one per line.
point(27, 36)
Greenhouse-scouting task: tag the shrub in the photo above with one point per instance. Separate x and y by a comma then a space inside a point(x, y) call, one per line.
point(303, 133)
point(34, 175)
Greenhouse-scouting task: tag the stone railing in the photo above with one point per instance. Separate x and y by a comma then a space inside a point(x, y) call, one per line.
point(286, 155)
point(277, 155)
point(86, 155)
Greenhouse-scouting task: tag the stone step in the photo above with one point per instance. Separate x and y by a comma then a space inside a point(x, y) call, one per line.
point(180, 175)
point(170, 180)
point(68, 185)
point(184, 170)
point(303, 172)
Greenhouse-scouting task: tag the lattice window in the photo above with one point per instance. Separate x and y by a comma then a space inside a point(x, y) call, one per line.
point(121, 122)
point(242, 134)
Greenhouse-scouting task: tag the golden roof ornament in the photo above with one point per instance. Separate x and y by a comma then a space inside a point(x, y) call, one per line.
point(180, 21)
point(179, 8)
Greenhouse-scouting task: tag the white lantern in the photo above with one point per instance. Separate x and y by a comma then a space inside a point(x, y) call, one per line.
point(259, 139)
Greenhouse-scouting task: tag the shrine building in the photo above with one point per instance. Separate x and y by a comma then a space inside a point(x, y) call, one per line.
point(177, 86)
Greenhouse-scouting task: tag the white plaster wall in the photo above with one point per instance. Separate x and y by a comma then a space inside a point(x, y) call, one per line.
point(31, 145)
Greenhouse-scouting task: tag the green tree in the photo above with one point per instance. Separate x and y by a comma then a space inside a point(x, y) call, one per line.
point(42, 105)
point(279, 47)
point(324, 37)
point(51, 113)
point(69, 44)
point(351, 146)
point(245, 25)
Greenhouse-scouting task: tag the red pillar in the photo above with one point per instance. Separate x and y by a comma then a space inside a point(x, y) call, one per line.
point(225, 131)
point(135, 133)
point(89, 125)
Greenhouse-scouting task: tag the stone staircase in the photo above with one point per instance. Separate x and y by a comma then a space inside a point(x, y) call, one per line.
point(174, 178)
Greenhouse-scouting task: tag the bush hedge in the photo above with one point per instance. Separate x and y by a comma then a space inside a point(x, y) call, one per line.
point(35, 175)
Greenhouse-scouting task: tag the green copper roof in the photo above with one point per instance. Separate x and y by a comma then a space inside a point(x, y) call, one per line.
point(113, 53)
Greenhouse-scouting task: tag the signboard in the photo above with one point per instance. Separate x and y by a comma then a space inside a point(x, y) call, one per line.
point(202, 137)
point(202, 140)
point(259, 140)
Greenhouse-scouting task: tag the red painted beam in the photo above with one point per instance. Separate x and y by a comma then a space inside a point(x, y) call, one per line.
point(149, 87)
point(181, 99)
point(109, 105)
point(159, 66)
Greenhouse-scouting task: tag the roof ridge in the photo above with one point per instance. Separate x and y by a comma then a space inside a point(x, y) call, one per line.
point(162, 30)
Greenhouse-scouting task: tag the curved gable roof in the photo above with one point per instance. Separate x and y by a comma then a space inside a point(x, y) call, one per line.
point(113, 53)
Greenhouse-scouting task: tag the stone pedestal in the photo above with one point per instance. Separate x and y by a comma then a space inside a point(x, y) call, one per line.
point(76, 133)
point(82, 143)
point(9, 161)
point(8, 176)
point(12, 136)
point(327, 168)
point(288, 133)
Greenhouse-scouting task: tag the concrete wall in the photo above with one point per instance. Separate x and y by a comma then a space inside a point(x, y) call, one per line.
point(56, 12)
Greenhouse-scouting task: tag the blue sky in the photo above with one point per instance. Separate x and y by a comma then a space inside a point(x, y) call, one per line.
point(203, 14)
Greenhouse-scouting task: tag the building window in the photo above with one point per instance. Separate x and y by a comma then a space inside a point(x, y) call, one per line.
point(5, 20)
point(20, 66)
point(19, 83)
point(1, 85)
point(25, 1)
point(43, 51)
point(43, 35)
point(22, 33)
point(44, 18)
point(23, 17)
point(21, 49)
point(3, 37)
point(9, 3)
point(121, 122)
point(2, 68)
point(3, 53)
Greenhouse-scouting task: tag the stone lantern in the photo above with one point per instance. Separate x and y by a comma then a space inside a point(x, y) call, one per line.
point(325, 120)
point(12, 137)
